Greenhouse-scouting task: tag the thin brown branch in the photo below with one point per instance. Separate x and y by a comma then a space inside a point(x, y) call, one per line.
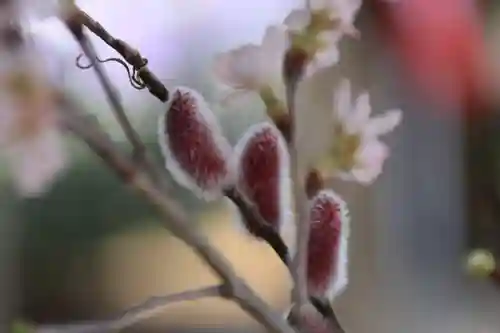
point(292, 75)
point(147, 309)
point(173, 216)
point(139, 149)
point(325, 309)
point(258, 226)
point(131, 55)
point(294, 64)
point(156, 88)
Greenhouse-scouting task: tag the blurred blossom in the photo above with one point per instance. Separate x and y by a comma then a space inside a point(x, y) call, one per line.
point(42, 9)
point(255, 68)
point(29, 136)
point(35, 162)
point(325, 10)
point(357, 153)
point(318, 29)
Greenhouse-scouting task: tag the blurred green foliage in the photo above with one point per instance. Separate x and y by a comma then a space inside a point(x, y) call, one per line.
point(21, 327)
point(86, 205)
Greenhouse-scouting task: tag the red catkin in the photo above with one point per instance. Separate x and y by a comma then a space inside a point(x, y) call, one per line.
point(196, 152)
point(327, 244)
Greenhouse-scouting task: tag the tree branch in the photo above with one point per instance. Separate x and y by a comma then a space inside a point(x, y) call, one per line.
point(131, 55)
point(139, 149)
point(294, 64)
point(292, 69)
point(325, 308)
point(157, 89)
point(138, 313)
point(258, 226)
point(173, 216)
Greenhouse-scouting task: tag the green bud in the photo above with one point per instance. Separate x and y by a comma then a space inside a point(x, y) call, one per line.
point(480, 263)
point(20, 326)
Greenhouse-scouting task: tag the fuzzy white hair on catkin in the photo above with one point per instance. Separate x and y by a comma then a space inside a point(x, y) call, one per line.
point(286, 216)
point(207, 117)
point(339, 277)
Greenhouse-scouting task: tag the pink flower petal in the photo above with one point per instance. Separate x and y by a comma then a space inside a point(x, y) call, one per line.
point(327, 251)
point(195, 150)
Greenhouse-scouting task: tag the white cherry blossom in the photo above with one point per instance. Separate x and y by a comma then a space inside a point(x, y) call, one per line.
point(254, 68)
point(343, 10)
point(358, 150)
point(327, 56)
point(324, 13)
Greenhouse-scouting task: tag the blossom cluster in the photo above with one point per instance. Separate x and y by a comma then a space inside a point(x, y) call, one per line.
point(200, 158)
point(30, 139)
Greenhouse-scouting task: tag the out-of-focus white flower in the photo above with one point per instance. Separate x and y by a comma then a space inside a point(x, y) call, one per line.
point(319, 29)
point(327, 54)
point(370, 158)
point(324, 12)
point(255, 68)
point(357, 152)
point(29, 137)
point(43, 9)
point(36, 162)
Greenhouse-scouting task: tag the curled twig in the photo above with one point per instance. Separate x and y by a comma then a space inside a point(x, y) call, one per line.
point(133, 77)
point(131, 55)
point(139, 149)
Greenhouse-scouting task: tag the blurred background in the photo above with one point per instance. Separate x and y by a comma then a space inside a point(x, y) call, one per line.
point(91, 248)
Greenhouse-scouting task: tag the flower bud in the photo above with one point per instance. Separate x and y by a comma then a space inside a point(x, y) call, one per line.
point(314, 183)
point(328, 245)
point(261, 163)
point(196, 153)
point(294, 65)
point(480, 263)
